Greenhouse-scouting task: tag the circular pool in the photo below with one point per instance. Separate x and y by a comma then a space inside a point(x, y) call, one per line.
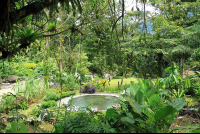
point(96, 101)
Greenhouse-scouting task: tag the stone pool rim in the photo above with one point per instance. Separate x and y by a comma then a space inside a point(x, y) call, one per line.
point(67, 99)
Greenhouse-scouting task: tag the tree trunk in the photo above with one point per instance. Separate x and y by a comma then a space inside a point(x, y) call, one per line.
point(45, 53)
point(124, 73)
point(195, 12)
point(78, 56)
point(160, 57)
point(61, 42)
point(69, 57)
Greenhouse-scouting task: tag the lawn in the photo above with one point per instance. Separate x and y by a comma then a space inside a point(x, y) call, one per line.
point(114, 82)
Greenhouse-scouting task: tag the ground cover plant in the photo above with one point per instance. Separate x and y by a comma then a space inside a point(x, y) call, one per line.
point(60, 48)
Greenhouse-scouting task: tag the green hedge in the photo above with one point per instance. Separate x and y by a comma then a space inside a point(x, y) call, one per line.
point(51, 96)
point(67, 94)
point(47, 104)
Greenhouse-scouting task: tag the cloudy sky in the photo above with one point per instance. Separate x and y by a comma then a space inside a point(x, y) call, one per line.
point(132, 3)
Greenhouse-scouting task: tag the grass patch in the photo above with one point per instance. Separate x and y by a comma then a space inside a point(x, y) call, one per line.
point(114, 82)
point(27, 112)
point(47, 127)
point(192, 100)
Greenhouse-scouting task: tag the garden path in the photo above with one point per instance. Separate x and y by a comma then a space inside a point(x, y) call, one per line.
point(8, 88)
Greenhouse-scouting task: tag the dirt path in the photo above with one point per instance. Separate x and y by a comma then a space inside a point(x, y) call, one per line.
point(8, 88)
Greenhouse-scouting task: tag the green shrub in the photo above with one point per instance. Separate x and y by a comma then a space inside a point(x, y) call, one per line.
point(50, 96)
point(67, 94)
point(80, 122)
point(23, 105)
point(70, 86)
point(31, 65)
point(117, 77)
point(124, 87)
point(35, 112)
point(8, 101)
point(47, 104)
point(56, 90)
point(2, 109)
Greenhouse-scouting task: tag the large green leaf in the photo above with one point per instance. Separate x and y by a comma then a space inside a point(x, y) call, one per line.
point(175, 78)
point(14, 126)
point(129, 115)
point(141, 130)
point(164, 112)
point(146, 86)
point(127, 119)
point(111, 113)
point(153, 91)
point(141, 85)
point(177, 103)
point(23, 129)
point(133, 88)
point(154, 99)
point(139, 97)
point(134, 104)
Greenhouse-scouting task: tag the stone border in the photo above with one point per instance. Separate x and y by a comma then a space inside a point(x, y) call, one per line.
point(67, 99)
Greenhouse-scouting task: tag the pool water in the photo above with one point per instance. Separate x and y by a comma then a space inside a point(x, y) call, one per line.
point(102, 102)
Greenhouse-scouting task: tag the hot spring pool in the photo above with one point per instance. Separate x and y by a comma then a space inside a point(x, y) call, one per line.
point(102, 102)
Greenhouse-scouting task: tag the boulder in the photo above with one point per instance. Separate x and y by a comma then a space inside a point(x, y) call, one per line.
point(4, 80)
point(12, 78)
point(77, 75)
point(117, 106)
point(89, 89)
point(88, 75)
point(54, 84)
point(107, 76)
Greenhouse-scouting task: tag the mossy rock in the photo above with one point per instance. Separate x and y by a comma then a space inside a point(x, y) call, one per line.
point(12, 78)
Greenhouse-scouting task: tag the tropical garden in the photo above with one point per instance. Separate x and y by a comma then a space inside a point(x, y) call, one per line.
point(60, 48)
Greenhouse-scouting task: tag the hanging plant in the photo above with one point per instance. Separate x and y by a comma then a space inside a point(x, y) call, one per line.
point(51, 27)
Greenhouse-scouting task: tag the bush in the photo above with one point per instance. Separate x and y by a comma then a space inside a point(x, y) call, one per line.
point(31, 65)
point(47, 104)
point(80, 122)
point(124, 87)
point(56, 90)
point(8, 101)
point(51, 96)
point(35, 112)
point(117, 77)
point(70, 86)
point(67, 94)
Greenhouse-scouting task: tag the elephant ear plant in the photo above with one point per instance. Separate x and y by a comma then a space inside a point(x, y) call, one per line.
point(146, 111)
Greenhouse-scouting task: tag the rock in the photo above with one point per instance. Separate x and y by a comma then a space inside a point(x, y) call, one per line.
point(107, 76)
point(94, 75)
point(88, 89)
point(12, 78)
point(88, 75)
point(77, 75)
point(123, 92)
point(80, 90)
point(117, 106)
point(99, 108)
point(4, 79)
point(55, 85)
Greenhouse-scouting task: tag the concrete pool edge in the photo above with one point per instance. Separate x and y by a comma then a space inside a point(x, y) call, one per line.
point(67, 99)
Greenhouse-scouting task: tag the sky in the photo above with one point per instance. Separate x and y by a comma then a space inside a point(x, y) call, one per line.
point(129, 4)
point(132, 3)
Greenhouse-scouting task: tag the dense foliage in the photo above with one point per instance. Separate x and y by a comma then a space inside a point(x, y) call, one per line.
point(53, 45)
